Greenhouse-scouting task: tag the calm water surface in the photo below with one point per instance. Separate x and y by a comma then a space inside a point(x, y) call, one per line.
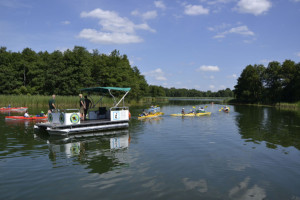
point(249, 153)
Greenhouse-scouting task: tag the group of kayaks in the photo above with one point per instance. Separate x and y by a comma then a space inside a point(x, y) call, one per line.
point(155, 112)
point(191, 114)
point(21, 109)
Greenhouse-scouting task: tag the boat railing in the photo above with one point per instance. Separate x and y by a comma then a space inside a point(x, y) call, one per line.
point(119, 108)
point(55, 111)
point(70, 110)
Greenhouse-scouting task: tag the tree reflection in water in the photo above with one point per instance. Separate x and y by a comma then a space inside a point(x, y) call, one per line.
point(273, 126)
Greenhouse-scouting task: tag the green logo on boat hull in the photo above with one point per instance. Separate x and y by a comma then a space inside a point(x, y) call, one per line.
point(74, 118)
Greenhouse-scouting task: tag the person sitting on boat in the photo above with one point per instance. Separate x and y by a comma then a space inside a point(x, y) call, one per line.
point(182, 111)
point(26, 114)
point(9, 106)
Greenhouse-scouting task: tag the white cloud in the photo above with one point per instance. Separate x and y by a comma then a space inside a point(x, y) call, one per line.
point(157, 74)
point(195, 10)
point(255, 7)
point(147, 15)
point(240, 30)
point(208, 68)
point(115, 29)
point(14, 4)
point(222, 87)
point(219, 27)
point(233, 76)
point(109, 38)
point(298, 53)
point(211, 87)
point(213, 2)
point(265, 61)
point(66, 22)
point(212, 77)
point(160, 4)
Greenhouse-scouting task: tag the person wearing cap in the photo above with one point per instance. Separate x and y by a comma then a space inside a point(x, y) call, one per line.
point(182, 111)
point(42, 114)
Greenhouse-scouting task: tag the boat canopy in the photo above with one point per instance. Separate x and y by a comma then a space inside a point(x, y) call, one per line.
point(104, 89)
point(107, 90)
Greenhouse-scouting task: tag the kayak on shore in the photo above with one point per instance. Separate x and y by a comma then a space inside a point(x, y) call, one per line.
point(19, 109)
point(26, 118)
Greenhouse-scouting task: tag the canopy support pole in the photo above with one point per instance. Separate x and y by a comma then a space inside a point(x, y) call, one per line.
point(121, 99)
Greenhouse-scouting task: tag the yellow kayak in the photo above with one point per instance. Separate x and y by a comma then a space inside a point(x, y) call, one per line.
point(191, 114)
point(151, 115)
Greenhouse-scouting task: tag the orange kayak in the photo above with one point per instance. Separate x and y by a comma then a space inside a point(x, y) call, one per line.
point(14, 109)
point(26, 118)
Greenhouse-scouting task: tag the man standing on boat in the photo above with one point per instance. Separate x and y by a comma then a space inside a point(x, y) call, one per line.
point(82, 107)
point(52, 104)
point(87, 106)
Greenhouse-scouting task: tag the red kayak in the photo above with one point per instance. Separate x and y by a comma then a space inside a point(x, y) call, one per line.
point(19, 109)
point(26, 118)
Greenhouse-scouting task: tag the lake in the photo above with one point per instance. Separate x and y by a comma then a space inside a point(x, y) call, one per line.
point(248, 153)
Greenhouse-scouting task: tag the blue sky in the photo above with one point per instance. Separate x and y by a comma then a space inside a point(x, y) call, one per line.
point(197, 44)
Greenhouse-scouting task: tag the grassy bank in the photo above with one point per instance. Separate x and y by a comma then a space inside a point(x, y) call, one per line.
point(42, 101)
point(289, 106)
point(67, 101)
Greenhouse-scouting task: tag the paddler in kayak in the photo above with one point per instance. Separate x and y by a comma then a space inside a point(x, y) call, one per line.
point(26, 114)
point(200, 110)
point(182, 111)
point(226, 109)
point(144, 113)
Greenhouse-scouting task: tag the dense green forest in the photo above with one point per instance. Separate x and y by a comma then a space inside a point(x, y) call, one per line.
point(64, 73)
point(272, 84)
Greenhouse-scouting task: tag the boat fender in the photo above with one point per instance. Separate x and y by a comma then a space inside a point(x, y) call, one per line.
point(62, 118)
point(50, 117)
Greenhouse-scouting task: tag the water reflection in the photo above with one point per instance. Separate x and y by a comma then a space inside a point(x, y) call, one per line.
point(245, 191)
point(275, 127)
point(99, 152)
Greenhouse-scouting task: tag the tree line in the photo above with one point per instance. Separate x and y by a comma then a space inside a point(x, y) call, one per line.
point(272, 84)
point(65, 73)
point(159, 91)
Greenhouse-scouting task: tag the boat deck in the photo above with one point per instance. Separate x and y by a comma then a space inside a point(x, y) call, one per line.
point(82, 123)
point(84, 126)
